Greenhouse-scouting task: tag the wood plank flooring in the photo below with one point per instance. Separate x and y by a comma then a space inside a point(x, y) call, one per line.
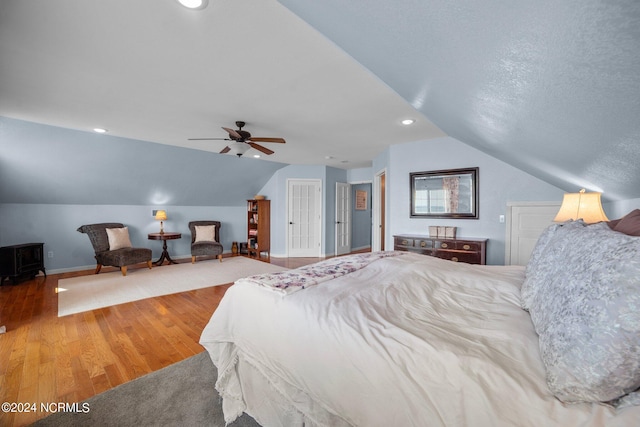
point(47, 359)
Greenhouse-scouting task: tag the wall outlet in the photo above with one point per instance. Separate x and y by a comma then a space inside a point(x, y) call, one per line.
point(501, 218)
point(50, 254)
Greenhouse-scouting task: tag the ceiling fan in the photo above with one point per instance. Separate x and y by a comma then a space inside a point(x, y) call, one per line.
point(241, 137)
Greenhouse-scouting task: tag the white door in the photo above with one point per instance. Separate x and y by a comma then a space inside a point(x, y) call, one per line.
point(304, 212)
point(525, 222)
point(343, 218)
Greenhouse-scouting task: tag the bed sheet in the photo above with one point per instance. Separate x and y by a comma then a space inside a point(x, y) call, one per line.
point(408, 340)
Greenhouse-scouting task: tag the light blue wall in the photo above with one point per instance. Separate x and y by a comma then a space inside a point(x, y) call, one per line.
point(620, 208)
point(361, 219)
point(56, 225)
point(276, 191)
point(46, 164)
point(359, 175)
point(499, 184)
point(53, 180)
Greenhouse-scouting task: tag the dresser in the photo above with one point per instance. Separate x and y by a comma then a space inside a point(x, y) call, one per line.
point(472, 251)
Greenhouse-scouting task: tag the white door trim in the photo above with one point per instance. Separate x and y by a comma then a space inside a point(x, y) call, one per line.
point(376, 243)
point(319, 207)
point(343, 219)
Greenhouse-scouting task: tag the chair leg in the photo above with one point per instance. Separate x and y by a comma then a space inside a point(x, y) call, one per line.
point(193, 259)
point(124, 270)
point(220, 257)
point(149, 264)
point(98, 267)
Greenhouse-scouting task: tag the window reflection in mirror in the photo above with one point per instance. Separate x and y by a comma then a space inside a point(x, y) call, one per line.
point(445, 194)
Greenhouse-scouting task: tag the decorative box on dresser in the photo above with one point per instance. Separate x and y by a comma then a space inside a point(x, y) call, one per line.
point(259, 228)
point(470, 250)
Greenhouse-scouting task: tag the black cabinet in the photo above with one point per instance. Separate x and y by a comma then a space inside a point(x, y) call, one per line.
point(20, 262)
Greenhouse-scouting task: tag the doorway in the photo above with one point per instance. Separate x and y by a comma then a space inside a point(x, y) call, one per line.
point(379, 211)
point(343, 218)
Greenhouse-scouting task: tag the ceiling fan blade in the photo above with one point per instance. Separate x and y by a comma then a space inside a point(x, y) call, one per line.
point(225, 150)
point(209, 139)
point(233, 133)
point(261, 148)
point(261, 139)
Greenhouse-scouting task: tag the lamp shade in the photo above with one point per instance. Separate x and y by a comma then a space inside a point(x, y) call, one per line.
point(582, 205)
point(161, 215)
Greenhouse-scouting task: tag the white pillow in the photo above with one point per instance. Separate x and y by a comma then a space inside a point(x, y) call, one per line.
point(118, 238)
point(205, 233)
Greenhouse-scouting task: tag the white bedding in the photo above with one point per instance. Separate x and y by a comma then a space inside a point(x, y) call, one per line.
point(409, 340)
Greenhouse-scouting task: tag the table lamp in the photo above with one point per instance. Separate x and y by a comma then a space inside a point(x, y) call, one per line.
point(581, 205)
point(161, 216)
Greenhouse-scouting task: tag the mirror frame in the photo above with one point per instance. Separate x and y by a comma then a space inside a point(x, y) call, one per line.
point(473, 172)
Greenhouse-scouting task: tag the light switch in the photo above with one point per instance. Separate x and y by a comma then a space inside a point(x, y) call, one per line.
point(501, 218)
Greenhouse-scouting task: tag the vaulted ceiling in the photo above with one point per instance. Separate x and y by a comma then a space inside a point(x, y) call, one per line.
point(550, 87)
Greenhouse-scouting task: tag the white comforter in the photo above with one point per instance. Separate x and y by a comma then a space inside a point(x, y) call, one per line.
point(409, 340)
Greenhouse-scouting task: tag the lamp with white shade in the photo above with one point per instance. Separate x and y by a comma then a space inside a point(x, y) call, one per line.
point(581, 205)
point(161, 216)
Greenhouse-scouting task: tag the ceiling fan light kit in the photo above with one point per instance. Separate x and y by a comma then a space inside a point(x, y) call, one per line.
point(243, 141)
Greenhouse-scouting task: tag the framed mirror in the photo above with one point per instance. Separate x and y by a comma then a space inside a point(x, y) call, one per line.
point(451, 193)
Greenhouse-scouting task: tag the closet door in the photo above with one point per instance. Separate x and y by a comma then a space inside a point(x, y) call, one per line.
point(304, 214)
point(525, 223)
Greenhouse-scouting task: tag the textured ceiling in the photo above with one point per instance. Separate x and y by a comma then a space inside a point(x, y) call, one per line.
point(152, 70)
point(550, 87)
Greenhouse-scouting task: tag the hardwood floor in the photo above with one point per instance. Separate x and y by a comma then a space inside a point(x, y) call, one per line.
point(47, 359)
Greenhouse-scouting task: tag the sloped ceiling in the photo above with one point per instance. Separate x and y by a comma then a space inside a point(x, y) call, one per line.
point(152, 70)
point(551, 87)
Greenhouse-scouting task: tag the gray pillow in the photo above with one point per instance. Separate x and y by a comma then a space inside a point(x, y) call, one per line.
point(538, 263)
point(586, 310)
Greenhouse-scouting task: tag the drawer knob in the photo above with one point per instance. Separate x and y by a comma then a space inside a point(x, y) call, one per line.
point(423, 244)
point(444, 245)
point(466, 247)
point(454, 259)
point(404, 242)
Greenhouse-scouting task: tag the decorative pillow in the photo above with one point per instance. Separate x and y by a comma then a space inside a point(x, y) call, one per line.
point(205, 233)
point(118, 238)
point(536, 264)
point(628, 224)
point(585, 310)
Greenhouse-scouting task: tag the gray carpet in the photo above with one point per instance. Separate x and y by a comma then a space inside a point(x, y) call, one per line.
point(182, 394)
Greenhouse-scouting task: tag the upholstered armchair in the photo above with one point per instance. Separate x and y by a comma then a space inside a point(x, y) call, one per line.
point(106, 236)
point(205, 240)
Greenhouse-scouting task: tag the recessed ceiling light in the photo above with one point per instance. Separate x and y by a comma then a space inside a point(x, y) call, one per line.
point(257, 156)
point(99, 130)
point(194, 4)
point(407, 122)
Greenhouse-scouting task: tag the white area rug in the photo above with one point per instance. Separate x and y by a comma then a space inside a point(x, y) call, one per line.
point(86, 293)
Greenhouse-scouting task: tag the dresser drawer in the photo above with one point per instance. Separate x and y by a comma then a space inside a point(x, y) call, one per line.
point(471, 251)
point(469, 246)
point(403, 241)
point(423, 243)
point(459, 256)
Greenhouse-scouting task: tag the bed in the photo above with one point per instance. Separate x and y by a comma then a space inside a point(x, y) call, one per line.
point(392, 338)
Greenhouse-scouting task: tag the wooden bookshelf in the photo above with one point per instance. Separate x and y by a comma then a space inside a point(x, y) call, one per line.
point(259, 228)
